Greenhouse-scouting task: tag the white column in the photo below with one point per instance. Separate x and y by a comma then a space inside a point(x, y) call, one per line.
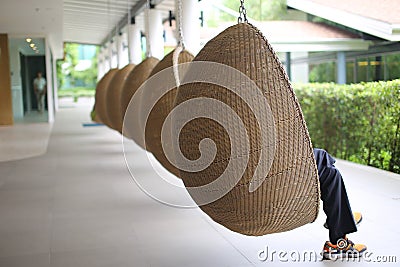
point(55, 91)
point(341, 68)
point(113, 54)
point(134, 44)
point(49, 84)
point(154, 32)
point(100, 64)
point(299, 70)
point(120, 50)
point(125, 51)
point(191, 24)
point(106, 59)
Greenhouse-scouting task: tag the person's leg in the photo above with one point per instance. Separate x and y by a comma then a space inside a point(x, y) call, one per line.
point(41, 102)
point(38, 100)
point(336, 204)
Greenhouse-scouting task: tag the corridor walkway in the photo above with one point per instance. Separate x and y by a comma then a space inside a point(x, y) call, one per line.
point(77, 206)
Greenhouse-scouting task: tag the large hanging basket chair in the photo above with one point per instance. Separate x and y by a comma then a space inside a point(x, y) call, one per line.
point(100, 106)
point(131, 128)
point(289, 195)
point(114, 113)
point(161, 109)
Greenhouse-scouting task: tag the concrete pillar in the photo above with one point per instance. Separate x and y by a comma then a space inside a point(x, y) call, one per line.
point(191, 24)
point(125, 51)
point(120, 50)
point(299, 72)
point(100, 64)
point(56, 85)
point(154, 33)
point(341, 68)
point(134, 44)
point(289, 65)
point(49, 83)
point(113, 54)
point(106, 59)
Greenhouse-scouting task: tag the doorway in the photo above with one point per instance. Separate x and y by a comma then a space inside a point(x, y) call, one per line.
point(30, 66)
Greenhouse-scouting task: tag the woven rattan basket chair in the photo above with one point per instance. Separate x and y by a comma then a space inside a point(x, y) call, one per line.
point(100, 106)
point(114, 113)
point(161, 109)
point(289, 195)
point(132, 128)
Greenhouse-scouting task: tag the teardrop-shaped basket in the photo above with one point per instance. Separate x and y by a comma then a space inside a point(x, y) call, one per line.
point(289, 195)
point(100, 106)
point(114, 113)
point(157, 116)
point(131, 127)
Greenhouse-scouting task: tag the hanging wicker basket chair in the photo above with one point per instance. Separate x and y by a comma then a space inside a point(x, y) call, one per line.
point(113, 98)
point(132, 128)
point(161, 109)
point(100, 106)
point(289, 195)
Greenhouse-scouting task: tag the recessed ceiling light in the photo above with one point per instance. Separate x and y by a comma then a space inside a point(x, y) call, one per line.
point(32, 45)
point(29, 40)
point(34, 48)
point(36, 51)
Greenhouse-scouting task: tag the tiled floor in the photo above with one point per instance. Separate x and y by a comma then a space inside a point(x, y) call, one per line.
point(77, 206)
point(33, 117)
point(24, 140)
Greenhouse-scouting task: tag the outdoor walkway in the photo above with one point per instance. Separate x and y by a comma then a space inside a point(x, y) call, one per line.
point(77, 206)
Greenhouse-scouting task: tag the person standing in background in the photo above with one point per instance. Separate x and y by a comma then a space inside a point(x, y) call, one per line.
point(39, 86)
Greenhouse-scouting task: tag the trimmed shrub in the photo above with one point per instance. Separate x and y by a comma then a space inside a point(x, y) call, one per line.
point(77, 92)
point(356, 122)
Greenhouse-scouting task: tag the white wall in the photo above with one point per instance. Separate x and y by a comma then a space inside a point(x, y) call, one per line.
point(300, 70)
point(49, 67)
point(16, 84)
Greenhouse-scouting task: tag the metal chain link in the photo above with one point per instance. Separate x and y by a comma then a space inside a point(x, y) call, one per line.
point(242, 13)
point(147, 26)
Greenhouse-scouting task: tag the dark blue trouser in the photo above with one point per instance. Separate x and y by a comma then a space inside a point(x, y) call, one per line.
point(334, 197)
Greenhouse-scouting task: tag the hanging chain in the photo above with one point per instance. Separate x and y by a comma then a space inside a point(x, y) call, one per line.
point(242, 13)
point(179, 22)
point(181, 45)
point(147, 26)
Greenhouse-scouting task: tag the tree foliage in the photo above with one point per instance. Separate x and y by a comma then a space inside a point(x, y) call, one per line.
point(67, 69)
point(259, 9)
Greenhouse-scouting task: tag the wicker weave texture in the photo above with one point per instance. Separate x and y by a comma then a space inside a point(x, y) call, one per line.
point(132, 128)
point(101, 96)
point(289, 196)
point(113, 98)
point(161, 109)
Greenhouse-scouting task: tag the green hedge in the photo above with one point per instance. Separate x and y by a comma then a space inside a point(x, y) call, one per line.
point(77, 92)
point(357, 122)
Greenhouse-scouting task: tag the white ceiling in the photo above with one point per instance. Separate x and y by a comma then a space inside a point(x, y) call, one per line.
point(90, 21)
point(33, 18)
point(80, 21)
point(24, 47)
